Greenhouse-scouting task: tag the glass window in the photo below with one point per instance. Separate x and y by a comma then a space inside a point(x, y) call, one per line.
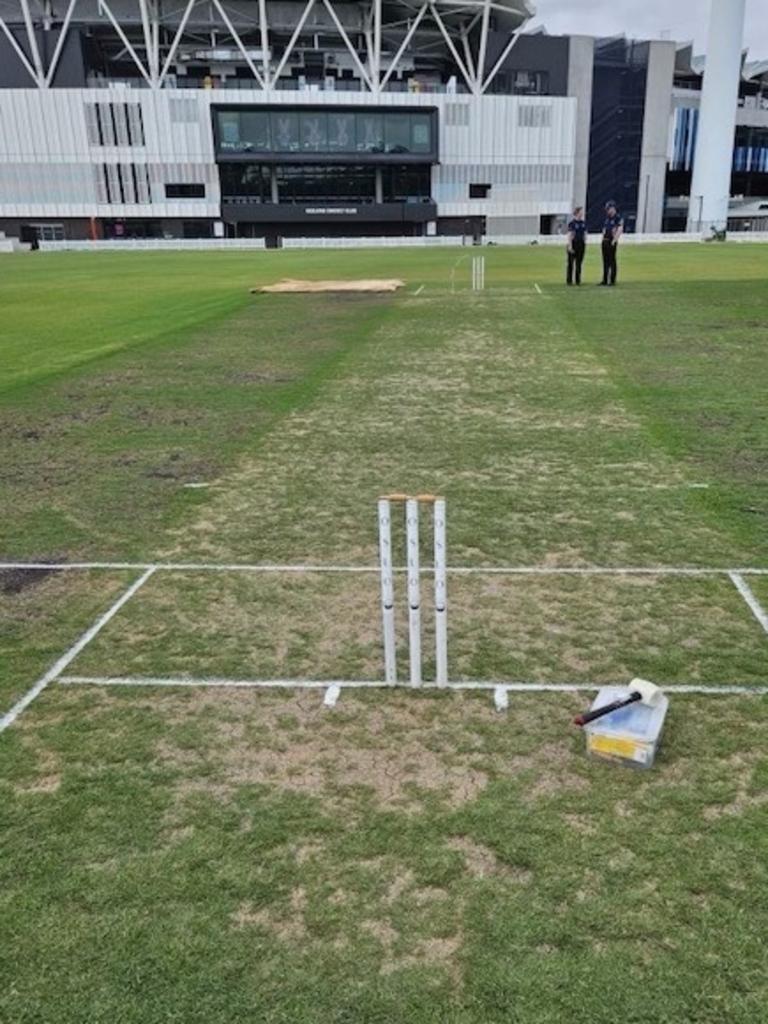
point(397, 133)
point(370, 133)
point(245, 183)
point(285, 132)
point(341, 133)
point(322, 131)
point(254, 131)
point(421, 133)
point(229, 129)
point(314, 132)
point(307, 183)
point(407, 184)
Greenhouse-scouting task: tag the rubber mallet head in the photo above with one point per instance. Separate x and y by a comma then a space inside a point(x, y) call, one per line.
point(640, 690)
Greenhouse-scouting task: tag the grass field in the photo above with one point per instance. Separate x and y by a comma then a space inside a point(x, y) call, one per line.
point(221, 855)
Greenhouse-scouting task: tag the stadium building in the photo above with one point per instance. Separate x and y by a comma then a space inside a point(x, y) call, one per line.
point(254, 118)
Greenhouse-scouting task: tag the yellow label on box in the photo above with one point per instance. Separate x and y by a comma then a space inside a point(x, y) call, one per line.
point(615, 746)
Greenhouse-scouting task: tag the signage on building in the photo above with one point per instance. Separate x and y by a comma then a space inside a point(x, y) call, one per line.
point(350, 211)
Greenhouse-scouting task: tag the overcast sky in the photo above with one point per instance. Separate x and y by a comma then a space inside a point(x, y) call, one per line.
point(648, 19)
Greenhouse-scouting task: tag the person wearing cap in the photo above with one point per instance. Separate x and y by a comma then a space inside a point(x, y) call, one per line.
point(577, 245)
point(613, 229)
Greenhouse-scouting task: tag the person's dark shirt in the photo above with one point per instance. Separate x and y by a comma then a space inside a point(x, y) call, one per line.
point(578, 228)
point(610, 225)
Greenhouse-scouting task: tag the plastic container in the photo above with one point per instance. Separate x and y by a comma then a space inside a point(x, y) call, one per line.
point(630, 736)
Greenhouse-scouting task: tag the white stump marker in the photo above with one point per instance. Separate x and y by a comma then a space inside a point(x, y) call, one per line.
point(387, 591)
point(441, 596)
point(414, 588)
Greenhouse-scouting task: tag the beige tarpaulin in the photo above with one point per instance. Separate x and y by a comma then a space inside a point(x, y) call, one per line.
point(290, 285)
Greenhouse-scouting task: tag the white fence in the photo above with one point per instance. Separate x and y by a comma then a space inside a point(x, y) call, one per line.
point(516, 240)
point(155, 244)
point(372, 242)
point(369, 242)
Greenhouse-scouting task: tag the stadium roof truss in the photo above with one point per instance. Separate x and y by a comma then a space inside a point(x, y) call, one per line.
point(376, 34)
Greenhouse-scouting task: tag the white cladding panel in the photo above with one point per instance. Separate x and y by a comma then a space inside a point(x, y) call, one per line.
point(52, 157)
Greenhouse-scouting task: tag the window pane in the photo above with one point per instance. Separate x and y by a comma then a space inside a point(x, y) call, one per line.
point(370, 133)
point(254, 131)
point(421, 133)
point(397, 133)
point(341, 133)
point(309, 183)
point(314, 132)
point(245, 182)
point(229, 129)
point(285, 132)
point(406, 184)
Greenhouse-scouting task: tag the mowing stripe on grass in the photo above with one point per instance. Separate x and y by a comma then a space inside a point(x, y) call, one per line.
point(55, 670)
point(746, 592)
point(497, 686)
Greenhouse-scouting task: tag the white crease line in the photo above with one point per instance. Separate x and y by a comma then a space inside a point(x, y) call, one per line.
point(536, 286)
point(419, 290)
point(55, 670)
point(349, 684)
point(249, 684)
point(754, 605)
point(332, 694)
point(463, 570)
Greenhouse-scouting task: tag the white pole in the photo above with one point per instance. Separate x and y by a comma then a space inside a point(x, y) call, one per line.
point(414, 588)
point(387, 591)
point(717, 118)
point(441, 596)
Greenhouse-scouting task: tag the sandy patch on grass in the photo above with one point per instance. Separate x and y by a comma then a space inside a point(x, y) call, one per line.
point(436, 952)
point(392, 754)
point(286, 924)
point(43, 784)
point(481, 862)
point(48, 777)
point(743, 768)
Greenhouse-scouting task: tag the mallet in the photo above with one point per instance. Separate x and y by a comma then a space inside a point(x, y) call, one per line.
point(639, 690)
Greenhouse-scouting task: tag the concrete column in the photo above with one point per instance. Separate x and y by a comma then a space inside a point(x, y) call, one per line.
point(273, 183)
point(581, 60)
point(711, 186)
point(379, 185)
point(653, 154)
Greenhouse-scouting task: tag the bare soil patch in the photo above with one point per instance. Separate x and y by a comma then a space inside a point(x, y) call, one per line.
point(14, 581)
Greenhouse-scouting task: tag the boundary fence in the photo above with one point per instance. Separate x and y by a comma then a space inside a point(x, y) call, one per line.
point(366, 242)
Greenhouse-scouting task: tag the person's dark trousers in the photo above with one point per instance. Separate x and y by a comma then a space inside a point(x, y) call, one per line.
point(575, 261)
point(609, 262)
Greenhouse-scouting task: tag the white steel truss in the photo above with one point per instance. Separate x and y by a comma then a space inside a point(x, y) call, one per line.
point(379, 37)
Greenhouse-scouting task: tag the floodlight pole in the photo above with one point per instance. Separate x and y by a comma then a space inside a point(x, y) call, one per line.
point(717, 119)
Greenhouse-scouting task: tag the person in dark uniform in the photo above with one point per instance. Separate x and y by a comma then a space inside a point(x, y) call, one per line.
point(577, 245)
point(613, 229)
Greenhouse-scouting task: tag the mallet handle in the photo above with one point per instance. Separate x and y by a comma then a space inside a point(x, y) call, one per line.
point(590, 716)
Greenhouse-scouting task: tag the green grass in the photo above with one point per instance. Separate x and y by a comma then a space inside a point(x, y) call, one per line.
point(230, 855)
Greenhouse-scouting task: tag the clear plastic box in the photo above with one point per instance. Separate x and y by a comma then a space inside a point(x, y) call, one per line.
point(630, 736)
